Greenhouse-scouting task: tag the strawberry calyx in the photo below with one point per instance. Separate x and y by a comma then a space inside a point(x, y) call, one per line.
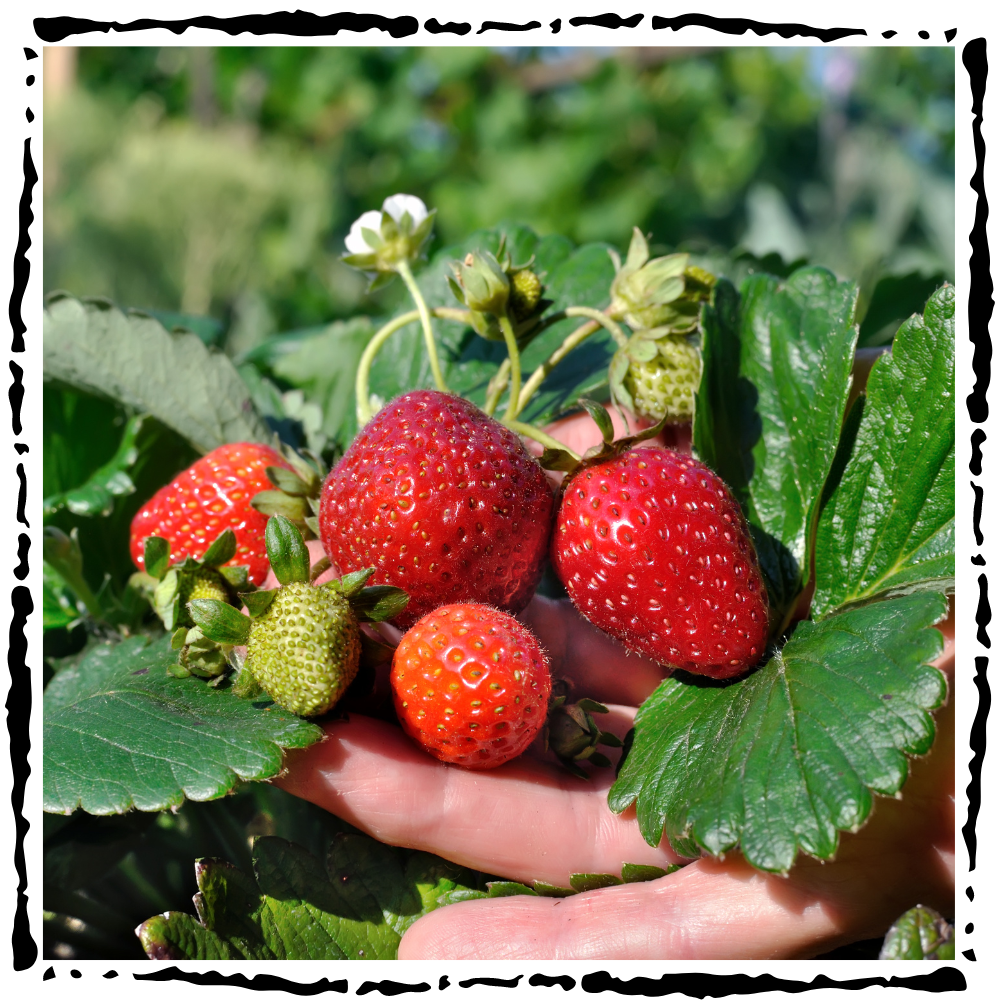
point(170, 588)
point(573, 735)
point(563, 460)
point(296, 492)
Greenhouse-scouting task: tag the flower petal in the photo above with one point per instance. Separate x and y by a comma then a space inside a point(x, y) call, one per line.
point(355, 242)
point(397, 204)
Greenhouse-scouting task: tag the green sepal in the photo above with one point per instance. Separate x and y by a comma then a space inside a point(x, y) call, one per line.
point(178, 638)
point(286, 551)
point(258, 601)
point(378, 604)
point(201, 656)
point(312, 523)
point(220, 622)
point(375, 653)
point(246, 686)
point(221, 550)
point(351, 583)
point(601, 418)
point(585, 882)
point(271, 502)
point(156, 556)
point(319, 568)
point(558, 460)
point(287, 481)
point(165, 600)
point(238, 577)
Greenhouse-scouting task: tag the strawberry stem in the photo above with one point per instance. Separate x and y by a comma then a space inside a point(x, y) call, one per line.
point(496, 387)
point(515, 365)
point(403, 268)
point(617, 333)
point(527, 430)
point(363, 401)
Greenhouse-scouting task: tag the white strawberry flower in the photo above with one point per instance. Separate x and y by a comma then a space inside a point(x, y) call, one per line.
point(382, 241)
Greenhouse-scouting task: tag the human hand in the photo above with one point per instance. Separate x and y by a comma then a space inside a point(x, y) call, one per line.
point(530, 820)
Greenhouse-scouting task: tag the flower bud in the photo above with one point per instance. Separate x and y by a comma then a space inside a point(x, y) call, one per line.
point(481, 283)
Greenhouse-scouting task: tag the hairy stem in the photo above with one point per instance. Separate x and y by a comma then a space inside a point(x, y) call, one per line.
point(541, 372)
point(515, 365)
point(403, 268)
point(496, 387)
point(527, 430)
point(617, 333)
point(375, 345)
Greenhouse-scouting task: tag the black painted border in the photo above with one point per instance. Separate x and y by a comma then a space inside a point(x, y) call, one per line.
point(303, 24)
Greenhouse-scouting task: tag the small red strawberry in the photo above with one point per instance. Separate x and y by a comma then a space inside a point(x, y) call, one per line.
point(471, 685)
point(654, 550)
point(443, 501)
point(204, 500)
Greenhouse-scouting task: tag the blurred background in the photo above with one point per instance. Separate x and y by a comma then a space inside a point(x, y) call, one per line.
point(220, 182)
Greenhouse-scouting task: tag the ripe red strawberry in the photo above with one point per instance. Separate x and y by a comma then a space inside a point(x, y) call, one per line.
point(654, 550)
point(471, 685)
point(443, 501)
point(204, 500)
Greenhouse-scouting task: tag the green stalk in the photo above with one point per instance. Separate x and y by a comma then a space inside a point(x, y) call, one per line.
point(368, 356)
point(403, 269)
point(496, 387)
point(515, 365)
point(606, 321)
point(541, 372)
point(540, 436)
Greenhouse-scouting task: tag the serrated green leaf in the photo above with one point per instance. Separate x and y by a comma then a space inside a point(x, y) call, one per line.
point(132, 359)
point(356, 906)
point(96, 497)
point(784, 759)
point(497, 890)
point(646, 873)
point(768, 413)
point(585, 882)
point(120, 734)
point(920, 933)
point(889, 527)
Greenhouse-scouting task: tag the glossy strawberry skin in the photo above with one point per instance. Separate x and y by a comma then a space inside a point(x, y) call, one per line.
point(471, 685)
point(204, 500)
point(443, 501)
point(654, 550)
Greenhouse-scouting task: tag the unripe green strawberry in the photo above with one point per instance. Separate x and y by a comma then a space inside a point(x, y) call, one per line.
point(304, 649)
point(203, 582)
point(525, 291)
point(665, 386)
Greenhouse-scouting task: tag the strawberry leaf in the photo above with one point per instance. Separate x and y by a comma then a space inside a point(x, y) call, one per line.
point(889, 526)
point(784, 759)
point(920, 933)
point(768, 414)
point(96, 497)
point(130, 358)
point(120, 734)
point(355, 906)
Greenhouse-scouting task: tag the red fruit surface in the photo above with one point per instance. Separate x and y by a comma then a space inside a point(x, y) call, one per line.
point(204, 500)
point(443, 501)
point(471, 685)
point(654, 550)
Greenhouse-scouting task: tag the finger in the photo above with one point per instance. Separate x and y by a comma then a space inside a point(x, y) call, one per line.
point(709, 910)
point(524, 821)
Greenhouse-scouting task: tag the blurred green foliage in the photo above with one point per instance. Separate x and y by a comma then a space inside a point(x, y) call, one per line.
point(222, 181)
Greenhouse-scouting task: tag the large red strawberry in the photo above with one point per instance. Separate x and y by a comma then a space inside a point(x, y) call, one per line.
point(443, 501)
point(654, 550)
point(471, 685)
point(204, 500)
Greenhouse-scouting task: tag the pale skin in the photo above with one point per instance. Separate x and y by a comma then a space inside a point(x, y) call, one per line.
point(530, 820)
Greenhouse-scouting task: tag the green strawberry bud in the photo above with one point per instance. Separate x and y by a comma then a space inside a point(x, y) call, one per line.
point(482, 282)
point(573, 736)
point(666, 383)
point(304, 649)
point(643, 289)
